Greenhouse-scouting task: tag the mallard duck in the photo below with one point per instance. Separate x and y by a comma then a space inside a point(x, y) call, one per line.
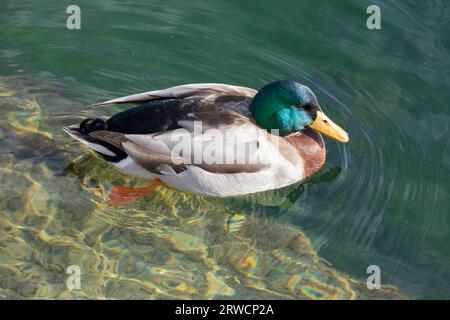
point(215, 139)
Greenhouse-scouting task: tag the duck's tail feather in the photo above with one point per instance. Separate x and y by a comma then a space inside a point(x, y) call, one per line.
point(108, 151)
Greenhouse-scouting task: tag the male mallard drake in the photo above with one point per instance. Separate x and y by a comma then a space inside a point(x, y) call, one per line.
point(213, 139)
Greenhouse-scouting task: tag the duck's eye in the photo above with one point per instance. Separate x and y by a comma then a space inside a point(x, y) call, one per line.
point(309, 108)
point(306, 107)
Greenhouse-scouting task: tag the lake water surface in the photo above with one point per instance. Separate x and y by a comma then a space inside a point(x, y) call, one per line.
point(382, 199)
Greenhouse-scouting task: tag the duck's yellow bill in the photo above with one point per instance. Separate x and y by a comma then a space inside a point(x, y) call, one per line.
point(324, 125)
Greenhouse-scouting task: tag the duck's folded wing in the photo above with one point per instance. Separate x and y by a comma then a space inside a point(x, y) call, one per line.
point(202, 91)
point(226, 143)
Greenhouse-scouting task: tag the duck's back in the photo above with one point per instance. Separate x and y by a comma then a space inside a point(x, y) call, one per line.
point(162, 115)
point(162, 110)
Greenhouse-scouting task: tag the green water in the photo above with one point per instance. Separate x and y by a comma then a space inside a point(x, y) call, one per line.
point(381, 200)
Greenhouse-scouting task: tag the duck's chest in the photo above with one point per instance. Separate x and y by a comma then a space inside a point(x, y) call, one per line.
point(311, 149)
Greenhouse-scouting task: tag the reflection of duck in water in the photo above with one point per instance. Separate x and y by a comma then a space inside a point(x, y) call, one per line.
point(243, 247)
point(141, 141)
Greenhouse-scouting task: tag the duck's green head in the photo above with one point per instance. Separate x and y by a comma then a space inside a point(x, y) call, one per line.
point(290, 107)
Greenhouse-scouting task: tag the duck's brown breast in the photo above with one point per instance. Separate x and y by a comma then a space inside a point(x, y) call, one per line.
point(311, 148)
